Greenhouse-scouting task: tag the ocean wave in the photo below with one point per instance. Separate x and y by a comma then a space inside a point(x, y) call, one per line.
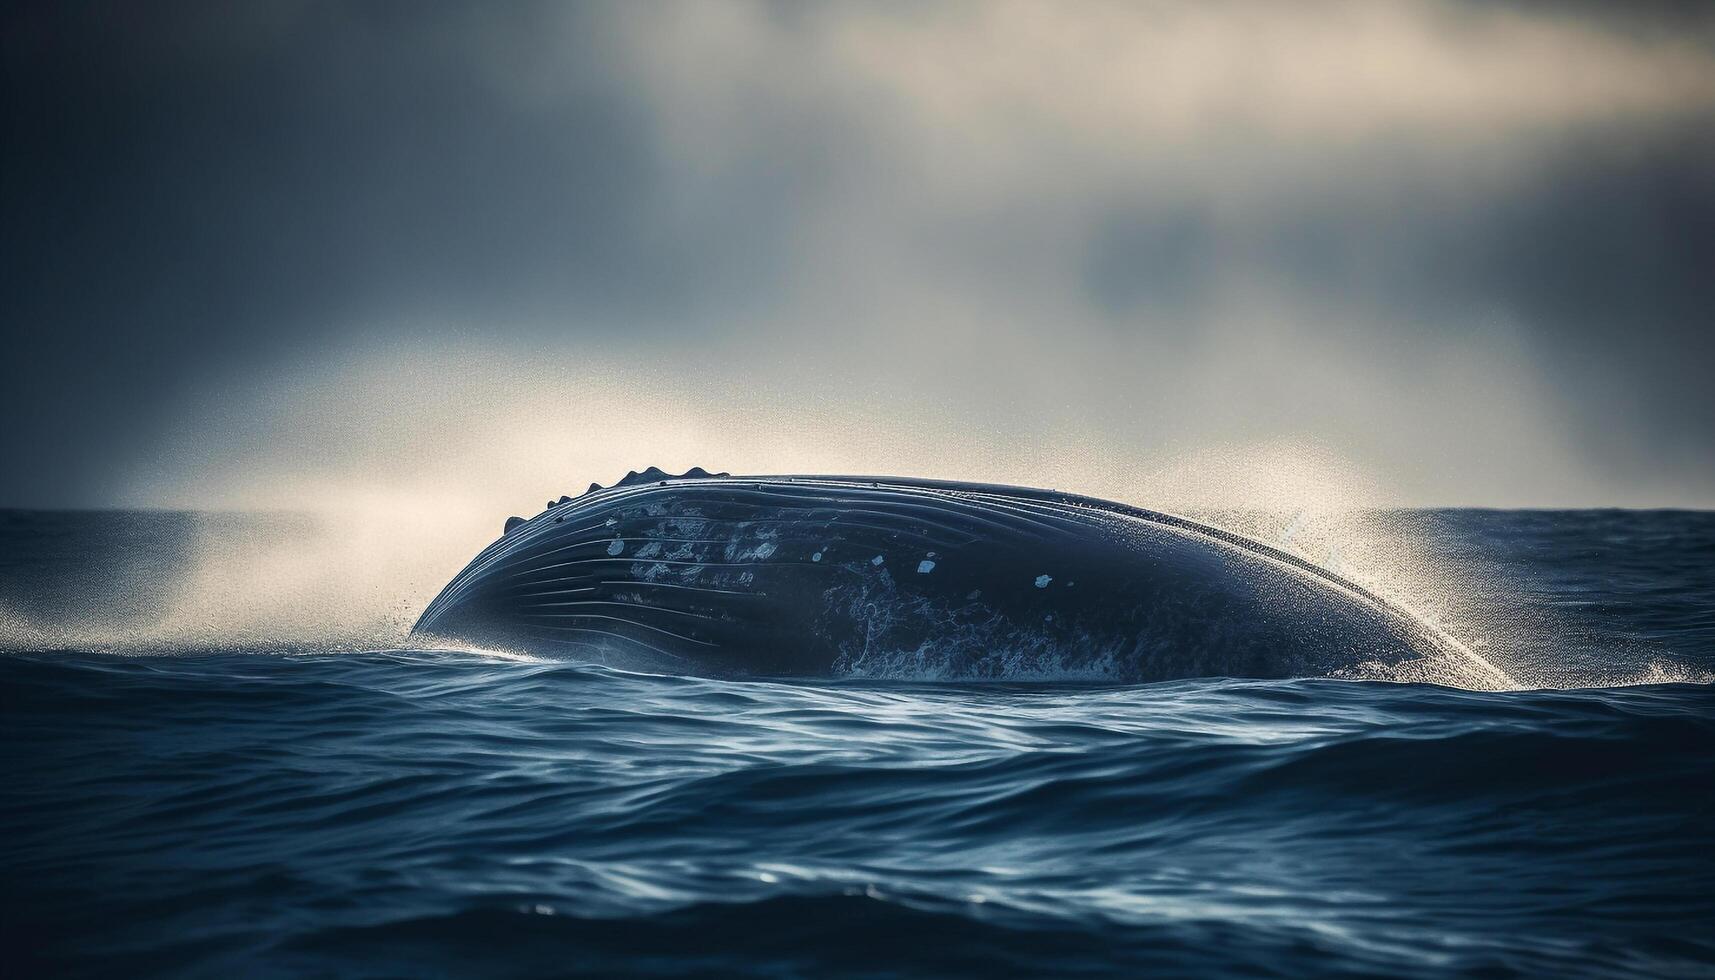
point(425, 805)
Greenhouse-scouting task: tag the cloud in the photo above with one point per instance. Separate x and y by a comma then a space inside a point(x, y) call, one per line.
point(1459, 244)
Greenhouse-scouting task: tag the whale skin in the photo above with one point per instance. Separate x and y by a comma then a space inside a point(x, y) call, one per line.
point(802, 576)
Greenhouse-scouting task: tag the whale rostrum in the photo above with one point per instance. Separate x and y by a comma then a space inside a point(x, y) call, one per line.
point(707, 573)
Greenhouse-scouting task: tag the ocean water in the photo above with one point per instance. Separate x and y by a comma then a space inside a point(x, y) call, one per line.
point(193, 790)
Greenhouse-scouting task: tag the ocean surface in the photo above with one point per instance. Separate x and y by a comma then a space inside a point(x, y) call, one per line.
point(222, 758)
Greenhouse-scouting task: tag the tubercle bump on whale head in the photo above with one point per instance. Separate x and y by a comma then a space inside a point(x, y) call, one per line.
point(633, 478)
point(654, 474)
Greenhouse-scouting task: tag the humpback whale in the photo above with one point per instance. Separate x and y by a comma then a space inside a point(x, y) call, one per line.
point(712, 574)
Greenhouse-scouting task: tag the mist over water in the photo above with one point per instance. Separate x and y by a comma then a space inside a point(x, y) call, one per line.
point(354, 575)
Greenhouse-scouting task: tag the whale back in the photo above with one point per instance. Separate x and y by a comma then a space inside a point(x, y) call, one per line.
point(819, 575)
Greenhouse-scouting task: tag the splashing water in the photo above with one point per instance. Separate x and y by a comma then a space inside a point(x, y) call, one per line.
point(161, 581)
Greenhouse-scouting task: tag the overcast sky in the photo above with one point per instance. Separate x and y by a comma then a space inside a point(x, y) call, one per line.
point(277, 253)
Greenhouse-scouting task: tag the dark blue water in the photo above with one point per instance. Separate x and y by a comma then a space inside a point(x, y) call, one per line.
point(271, 810)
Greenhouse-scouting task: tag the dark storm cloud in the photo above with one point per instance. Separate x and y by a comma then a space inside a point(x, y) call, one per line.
point(191, 189)
point(1604, 255)
point(1610, 262)
point(1229, 198)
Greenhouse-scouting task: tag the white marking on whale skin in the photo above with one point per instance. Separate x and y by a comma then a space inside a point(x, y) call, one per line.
point(651, 549)
point(615, 546)
point(686, 550)
point(763, 544)
point(651, 572)
point(735, 542)
point(877, 560)
point(1043, 580)
point(684, 527)
point(925, 566)
point(816, 557)
point(736, 552)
